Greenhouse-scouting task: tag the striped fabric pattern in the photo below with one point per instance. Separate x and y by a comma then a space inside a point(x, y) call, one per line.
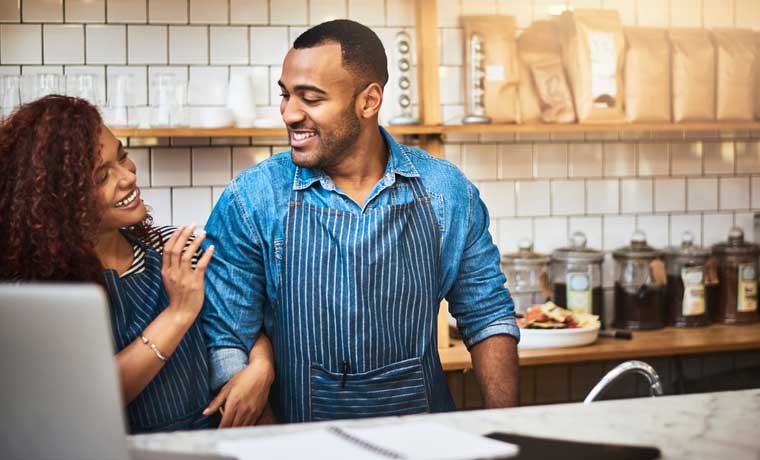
point(175, 398)
point(156, 241)
point(355, 335)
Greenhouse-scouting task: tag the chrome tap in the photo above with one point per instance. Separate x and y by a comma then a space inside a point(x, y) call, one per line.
point(639, 367)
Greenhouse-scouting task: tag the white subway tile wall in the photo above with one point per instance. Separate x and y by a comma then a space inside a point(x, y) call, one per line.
point(127, 11)
point(535, 185)
point(147, 44)
point(85, 10)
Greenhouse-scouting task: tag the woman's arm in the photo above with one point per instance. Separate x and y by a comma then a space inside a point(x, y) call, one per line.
point(246, 395)
point(138, 364)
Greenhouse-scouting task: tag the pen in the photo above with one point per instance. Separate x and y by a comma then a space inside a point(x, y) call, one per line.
point(221, 410)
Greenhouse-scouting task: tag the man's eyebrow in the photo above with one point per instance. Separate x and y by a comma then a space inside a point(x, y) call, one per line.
point(311, 88)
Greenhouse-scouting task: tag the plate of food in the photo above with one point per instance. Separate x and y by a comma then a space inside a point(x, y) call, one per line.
point(550, 326)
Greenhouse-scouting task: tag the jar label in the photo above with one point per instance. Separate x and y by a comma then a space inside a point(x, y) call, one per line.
point(693, 291)
point(579, 293)
point(747, 298)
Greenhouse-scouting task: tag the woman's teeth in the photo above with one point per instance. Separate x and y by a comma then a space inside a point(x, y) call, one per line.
point(302, 136)
point(128, 200)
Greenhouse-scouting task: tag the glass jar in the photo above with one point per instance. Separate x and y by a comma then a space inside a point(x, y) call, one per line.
point(692, 284)
point(737, 273)
point(527, 274)
point(576, 274)
point(640, 285)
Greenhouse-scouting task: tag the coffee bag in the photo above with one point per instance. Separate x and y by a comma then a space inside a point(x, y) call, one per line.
point(593, 53)
point(735, 53)
point(693, 75)
point(647, 75)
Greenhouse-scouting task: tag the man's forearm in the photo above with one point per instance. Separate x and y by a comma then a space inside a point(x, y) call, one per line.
point(498, 371)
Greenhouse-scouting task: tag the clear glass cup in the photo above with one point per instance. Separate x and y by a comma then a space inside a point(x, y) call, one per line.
point(165, 91)
point(84, 86)
point(120, 100)
point(10, 95)
point(40, 85)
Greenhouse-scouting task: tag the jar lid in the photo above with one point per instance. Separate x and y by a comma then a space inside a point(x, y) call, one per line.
point(525, 255)
point(638, 249)
point(687, 249)
point(735, 245)
point(577, 251)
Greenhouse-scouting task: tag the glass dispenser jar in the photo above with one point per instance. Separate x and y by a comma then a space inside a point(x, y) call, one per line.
point(692, 284)
point(576, 274)
point(737, 273)
point(640, 285)
point(527, 276)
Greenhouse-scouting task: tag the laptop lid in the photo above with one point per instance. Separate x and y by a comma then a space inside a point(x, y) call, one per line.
point(61, 397)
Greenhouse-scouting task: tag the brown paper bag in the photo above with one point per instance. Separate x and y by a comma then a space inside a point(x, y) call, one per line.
point(647, 75)
point(593, 50)
point(693, 75)
point(757, 75)
point(735, 53)
point(544, 91)
point(502, 74)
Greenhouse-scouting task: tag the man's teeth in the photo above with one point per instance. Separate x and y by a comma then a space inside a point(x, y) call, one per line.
point(128, 200)
point(301, 136)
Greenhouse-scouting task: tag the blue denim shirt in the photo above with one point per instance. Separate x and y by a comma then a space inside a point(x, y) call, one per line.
point(247, 228)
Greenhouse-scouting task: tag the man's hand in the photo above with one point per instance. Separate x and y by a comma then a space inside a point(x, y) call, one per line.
point(244, 397)
point(497, 369)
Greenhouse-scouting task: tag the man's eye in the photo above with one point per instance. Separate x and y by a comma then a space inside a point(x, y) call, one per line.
point(310, 101)
point(123, 158)
point(283, 95)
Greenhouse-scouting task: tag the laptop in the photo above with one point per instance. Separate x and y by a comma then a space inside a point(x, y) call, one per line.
point(58, 380)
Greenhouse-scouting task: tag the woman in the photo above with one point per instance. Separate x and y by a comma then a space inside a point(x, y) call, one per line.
point(71, 211)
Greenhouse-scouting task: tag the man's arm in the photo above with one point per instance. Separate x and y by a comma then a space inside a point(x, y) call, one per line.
point(484, 310)
point(498, 371)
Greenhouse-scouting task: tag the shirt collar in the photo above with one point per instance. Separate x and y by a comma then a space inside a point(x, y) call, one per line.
point(398, 163)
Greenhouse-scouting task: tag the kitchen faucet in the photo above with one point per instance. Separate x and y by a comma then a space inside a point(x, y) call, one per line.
point(639, 367)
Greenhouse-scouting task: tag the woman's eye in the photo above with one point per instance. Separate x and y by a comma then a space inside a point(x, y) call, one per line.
point(123, 158)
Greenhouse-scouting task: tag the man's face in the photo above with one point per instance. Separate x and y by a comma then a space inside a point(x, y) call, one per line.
point(318, 106)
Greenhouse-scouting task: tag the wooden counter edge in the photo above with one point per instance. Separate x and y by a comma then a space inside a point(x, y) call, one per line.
point(654, 343)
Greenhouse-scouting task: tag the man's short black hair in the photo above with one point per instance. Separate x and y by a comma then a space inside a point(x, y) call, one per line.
point(362, 51)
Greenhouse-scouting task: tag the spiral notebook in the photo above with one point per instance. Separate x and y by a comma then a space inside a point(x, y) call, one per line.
point(410, 441)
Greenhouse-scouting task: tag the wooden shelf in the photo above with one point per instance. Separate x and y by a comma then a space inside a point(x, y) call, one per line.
point(664, 342)
point(436, 130)
point(596, 128)
point(399, 130)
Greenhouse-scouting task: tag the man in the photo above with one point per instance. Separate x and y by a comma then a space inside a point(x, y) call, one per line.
point(342, 250)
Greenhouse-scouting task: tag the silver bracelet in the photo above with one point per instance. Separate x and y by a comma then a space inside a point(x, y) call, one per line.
point(154, 348)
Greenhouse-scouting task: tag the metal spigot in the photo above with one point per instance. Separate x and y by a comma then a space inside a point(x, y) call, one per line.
point(639, 367)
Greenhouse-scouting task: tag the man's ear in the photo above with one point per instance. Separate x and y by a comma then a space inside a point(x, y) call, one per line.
point(370, 100)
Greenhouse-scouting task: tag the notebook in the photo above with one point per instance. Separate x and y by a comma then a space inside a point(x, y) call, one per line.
point(410, 441)
point(550, 449)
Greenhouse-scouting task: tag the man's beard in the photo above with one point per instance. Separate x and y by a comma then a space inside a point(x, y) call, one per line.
point(335, 144)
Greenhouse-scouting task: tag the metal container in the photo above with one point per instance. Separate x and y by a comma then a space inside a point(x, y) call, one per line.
point(737, 273)
point(692, 284)
point(640, 285)
point(576, 276)
point(527, 275)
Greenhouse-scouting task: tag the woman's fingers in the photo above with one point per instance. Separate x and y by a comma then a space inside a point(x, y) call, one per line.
point(191, 250)
point(179, 245)
point(217, 402)
point(169, 246)
point(200, 267)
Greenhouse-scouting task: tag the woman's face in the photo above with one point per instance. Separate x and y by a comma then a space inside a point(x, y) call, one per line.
point(116, 177)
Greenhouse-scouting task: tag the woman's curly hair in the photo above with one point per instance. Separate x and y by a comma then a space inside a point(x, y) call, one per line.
point(50, 209)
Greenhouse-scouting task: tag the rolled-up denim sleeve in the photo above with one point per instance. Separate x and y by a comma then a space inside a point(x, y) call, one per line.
point(478, 299)
point(235, 287)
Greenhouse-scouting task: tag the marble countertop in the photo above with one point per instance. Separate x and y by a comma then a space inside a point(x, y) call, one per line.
point(711, 425)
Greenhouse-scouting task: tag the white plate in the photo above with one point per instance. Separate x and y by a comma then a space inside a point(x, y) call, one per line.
point(557, 338)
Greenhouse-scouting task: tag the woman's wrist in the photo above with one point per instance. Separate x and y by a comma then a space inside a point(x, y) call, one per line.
point(182, 317)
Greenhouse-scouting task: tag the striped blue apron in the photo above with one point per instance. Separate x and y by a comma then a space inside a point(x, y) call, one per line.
point(355, 329)
point(175, 398)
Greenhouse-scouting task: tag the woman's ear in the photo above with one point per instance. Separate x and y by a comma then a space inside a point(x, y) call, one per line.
point(370, 100)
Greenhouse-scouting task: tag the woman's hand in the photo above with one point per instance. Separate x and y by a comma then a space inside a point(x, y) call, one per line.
point(183, 283)
point(245, 397)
